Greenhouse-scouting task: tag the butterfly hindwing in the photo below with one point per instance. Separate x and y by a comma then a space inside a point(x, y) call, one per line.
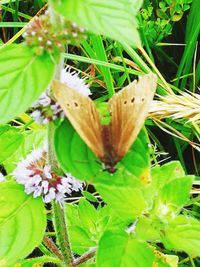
point(128, 109)
point(83, 115)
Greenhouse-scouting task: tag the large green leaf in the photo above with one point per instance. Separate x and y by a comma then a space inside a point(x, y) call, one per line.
point(165, 173)
point(23, 77)
point(115, 18)
point(86, 224)
point(117, 248)
point(10, 140)
point(31, 140)
point(128, 202)
point(22, 223)
point(181, 196)
point(123, 190)
point(182, 234)
point(82, 226)
point(75, 157)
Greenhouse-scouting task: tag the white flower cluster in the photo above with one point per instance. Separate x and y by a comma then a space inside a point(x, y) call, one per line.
point(2, 178)
point(36, 176)
point(72, 80)
point(47, 109)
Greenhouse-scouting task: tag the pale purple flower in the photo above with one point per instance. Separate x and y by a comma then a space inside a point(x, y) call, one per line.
point(46, 109)
point(38, 179)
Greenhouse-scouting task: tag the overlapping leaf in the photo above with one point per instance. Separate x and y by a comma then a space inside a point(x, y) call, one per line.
point(22, 223)
point(115, 18)
point(23, 77)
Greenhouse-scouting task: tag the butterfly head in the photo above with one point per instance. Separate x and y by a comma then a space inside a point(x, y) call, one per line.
point(109, 168)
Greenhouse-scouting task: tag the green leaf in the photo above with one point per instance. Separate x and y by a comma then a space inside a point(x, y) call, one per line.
point(89, 196)
point(117, 248)
point(80, 236)
point(165, 173)
point(115, 18)
point(75, 157)
point(170, 201)
point(88, 215)
point(181, 196)
point(151, 233)
point(96, 50)
point(121, 190)
point(22, 223)
point(23, 77)
point(127, 202)
point(31, 140)
point(86, 224)
point(37, 262)
point(10, 140)
point(182, 234)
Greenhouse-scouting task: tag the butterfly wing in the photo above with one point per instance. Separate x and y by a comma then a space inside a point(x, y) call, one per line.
point(83, 115)
point(128, 109)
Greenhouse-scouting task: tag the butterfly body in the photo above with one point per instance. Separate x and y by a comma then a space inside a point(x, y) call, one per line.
point(128, 110)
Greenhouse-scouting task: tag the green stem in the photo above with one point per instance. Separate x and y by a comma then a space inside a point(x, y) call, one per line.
point(44, 259)
point(62, 234)
point(59, 221)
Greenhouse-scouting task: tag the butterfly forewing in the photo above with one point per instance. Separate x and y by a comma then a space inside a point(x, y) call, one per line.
point(128, 110)
point(83, 115)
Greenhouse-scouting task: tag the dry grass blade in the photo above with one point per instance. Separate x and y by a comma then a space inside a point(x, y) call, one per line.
point(185, 106)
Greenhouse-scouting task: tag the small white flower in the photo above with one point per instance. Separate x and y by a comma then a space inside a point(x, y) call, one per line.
point(50, 196)
point(75, 183)
point(49, 42)
point(74, 24)
point(37, 192)
point(45, 186)
point(2, 178)
point(47, 171)
point(38, 179)
point(163, 209)
point(72, 80)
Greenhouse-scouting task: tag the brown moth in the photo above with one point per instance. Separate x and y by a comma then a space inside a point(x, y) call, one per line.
point(128, 109)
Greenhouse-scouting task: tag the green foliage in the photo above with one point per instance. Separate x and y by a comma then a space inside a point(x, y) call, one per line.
point(22, 79)
point(155, 27)
point(173, 10)
point(31, 139)
point(114, 19)
point(20, 217)
point(117, 248)
point(183, 234)
point(10, 140)
point(191, 38)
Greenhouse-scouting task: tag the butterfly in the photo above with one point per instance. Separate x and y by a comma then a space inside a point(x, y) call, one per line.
point(128, 110)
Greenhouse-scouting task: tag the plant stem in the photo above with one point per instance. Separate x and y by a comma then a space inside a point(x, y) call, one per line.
point(52, 247)
point(62, 234)
point(58, 212)
point(85, 257)
point(59, 221)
